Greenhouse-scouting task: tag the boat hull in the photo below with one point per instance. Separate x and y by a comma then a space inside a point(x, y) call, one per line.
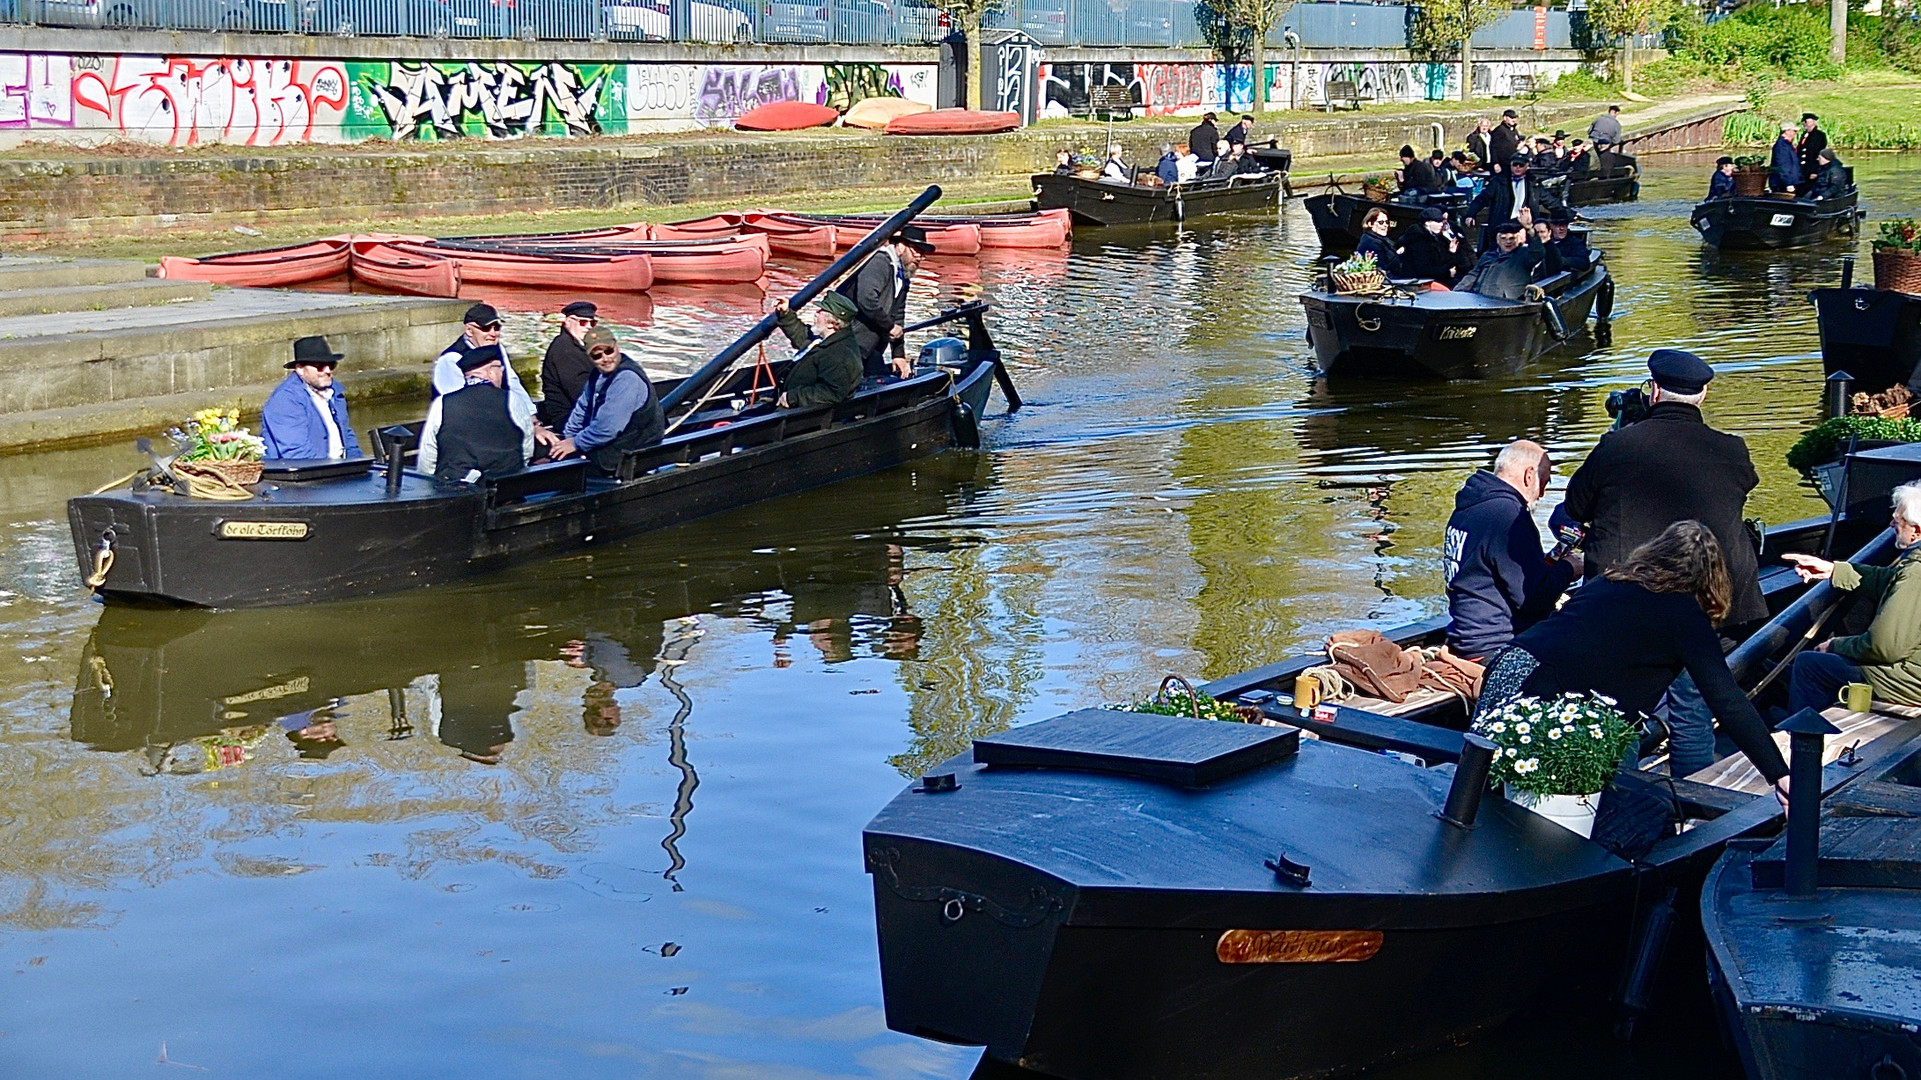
point(354, 540)
point(385, 266)
point(1872, 334)
point(1596, 191)
point(1769, 223)
point(1097, 202)
point(1440, 334)
point(268, 268)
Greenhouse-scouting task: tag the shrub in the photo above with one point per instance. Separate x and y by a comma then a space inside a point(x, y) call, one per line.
point(1826, 438)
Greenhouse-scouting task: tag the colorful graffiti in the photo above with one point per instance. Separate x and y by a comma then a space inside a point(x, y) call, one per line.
point(186, 101)
point(1189, 89)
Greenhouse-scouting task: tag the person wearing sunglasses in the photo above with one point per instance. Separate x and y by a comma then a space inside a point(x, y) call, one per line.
point(617, 411)
point(481, 330)
point(565, 370)
point(305, 418)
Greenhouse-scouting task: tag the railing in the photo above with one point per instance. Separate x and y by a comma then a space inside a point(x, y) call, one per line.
point(1147, 23)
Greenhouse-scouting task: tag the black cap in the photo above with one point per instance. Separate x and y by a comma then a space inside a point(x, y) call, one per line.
point(914, 237)
point(1809, 116)
point(481, 315)
point(1679, 371)
point(1208, 116)
point(1510, 112)
point(1723, 161)
point(1433, 213)
point(312, 350)
point(1520, 159)
point(1826, 154)
point(1406, 150)
point(579, 309)
point(479, 356)
point(1508, 226)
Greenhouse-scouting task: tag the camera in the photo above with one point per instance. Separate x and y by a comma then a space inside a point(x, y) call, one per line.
point(1628, 406)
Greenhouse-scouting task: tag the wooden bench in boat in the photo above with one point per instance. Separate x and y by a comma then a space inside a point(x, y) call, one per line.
point(1858, 729)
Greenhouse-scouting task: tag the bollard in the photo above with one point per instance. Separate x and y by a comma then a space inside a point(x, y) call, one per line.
point(1847, 271)
point(1836, 391)
point(1470, 781)
point(397, 439)
point(1805, 738)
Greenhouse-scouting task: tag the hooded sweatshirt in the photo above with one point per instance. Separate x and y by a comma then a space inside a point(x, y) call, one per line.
point(1498, 579)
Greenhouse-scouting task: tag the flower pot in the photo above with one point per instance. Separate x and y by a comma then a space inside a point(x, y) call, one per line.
point(1350, 284)
point(1750, 180)
point(1897, 271)
point(1377, 192)
point(1575, 813)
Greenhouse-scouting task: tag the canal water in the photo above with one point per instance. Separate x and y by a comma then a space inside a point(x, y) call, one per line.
point(601, 816)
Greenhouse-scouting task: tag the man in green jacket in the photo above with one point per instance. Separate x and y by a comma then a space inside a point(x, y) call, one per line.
point(829, 366)
point(1888, 656)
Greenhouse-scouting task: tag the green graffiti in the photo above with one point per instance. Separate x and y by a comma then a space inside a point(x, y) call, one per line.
point(849, 83)
point(406, 100)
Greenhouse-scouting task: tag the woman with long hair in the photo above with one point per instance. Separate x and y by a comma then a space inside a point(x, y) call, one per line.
point(1629, 633)
point(1375, 225)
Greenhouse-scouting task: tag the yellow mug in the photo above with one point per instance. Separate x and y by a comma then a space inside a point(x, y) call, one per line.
point(1856, 697)
point(1307, 692)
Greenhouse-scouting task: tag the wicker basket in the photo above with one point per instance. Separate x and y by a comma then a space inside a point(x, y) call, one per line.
point(242, 473)
point(1377, 192)
point(1898, 271)
point(1750, 180)
point(1086, 173)
point(1371, 281)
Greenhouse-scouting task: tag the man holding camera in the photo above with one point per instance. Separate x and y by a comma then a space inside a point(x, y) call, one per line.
point(1646, 475)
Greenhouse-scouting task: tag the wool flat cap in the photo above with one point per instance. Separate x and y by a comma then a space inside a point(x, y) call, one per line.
point(1510, 112)
point(1519, 159)
point(1809, 116)
point(1723, 161)
point(1680, 371)
point(580, 309)
point(479, 356)
point(481, 315)
point(1509, 226)
point(838, 306)
point(1433, 213)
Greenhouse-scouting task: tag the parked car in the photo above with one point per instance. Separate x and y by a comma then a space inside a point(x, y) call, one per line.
point(1045, 21)
point(266, 16)
point(389, 18)
point(785, 20)
point(887, 22)
point(63, 12)
point(650, 20)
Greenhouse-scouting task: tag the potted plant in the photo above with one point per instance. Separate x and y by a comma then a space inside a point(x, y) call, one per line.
point(1556, 754)
point(1359, 274)
point(1897, 257)
point(1750, 175)
point(1379, 187)
point(218, 447)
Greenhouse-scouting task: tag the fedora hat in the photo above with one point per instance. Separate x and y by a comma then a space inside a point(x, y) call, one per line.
point(312, 350)
point(914, 237)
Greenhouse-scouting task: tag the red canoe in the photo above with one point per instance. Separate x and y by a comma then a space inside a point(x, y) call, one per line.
point(712, 227)
point(1031, 233)
point(786, 116)
point(740, 260)
point(954, 122)
point(289, 265)
point(811, 238)
point(378, 263)
point(634, 233)
point(558, 267)
point(948, 238)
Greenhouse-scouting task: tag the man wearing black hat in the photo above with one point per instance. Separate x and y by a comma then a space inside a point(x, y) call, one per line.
point(472, 433)
point(305, 418)
point(1721, 184)
point(566, 369)
point(1512, 261)
point(1650, 474)
point(1829, 180)
point(1428, 251)
point(1568, 248)
point(1813, 140)
point(480, 329)
point(1417, 176)
point(1240, 133)
point(1505, 196)
point(1202, 140)
point(1505, 141)
point(879, 292)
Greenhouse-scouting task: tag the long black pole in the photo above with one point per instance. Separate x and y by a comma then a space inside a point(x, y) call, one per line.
point(696, 383)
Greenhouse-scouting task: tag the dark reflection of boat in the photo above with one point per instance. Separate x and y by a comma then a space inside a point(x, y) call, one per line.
point(157, 680)
point(1115, 895)
point(1773, 222)
point(1872, 334)
point(1356, 434)
point(1110, 202)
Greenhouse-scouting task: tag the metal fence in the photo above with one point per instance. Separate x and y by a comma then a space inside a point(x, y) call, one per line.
point(1165, 23)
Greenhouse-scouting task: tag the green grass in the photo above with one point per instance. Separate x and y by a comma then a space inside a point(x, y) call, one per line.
point(1877, 110)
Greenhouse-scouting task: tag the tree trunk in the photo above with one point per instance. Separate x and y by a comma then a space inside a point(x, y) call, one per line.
point(1260, 71)
point(1467, 71)
point(1838, 27)
point(1627, 62)
point(973, 77)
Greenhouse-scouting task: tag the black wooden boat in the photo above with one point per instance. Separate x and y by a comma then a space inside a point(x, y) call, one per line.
point(1115, 895)
point(319, 531)
point(1620, 184)
point(1413, 332)
point(1774, 222)
point(1110, 202)
point(1827, 985)
point(1337, 215)
point(1872, 334)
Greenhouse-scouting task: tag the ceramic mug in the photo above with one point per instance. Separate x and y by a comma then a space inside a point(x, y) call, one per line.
point(1307, 692)
point(1855, 697)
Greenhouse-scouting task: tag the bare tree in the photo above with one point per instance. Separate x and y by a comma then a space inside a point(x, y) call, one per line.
point(1838, 31)
point(968, 15)
point(1627, 19)
point(1447, 24)
point(1255, 19)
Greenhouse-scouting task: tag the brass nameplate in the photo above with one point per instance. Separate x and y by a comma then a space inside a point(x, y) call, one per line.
point(1297, 946)
point(263, 530)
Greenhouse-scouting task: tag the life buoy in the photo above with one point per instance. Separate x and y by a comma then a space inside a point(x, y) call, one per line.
point(967, 426)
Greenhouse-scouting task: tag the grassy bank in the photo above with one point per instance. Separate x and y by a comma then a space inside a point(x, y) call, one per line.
point(1874, 112)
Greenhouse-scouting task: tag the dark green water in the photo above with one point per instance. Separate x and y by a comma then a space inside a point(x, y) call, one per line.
point(660, 875)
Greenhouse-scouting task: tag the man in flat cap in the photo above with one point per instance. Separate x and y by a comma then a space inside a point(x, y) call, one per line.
point(617, 411)
point(1808, 148)
point(1505, 140)
point(1721, 184)
point(305, 418)
point(1505, 196)
point(828, 369)
point(879, 292)
point(1428, 250)
point(566, 369)
point(1650, 474)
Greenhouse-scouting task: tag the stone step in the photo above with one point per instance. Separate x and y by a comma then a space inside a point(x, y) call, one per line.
point(40, 272)
point(70, 299)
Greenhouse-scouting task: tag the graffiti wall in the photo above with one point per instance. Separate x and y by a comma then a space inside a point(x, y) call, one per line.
point(1190, 89)
point(188, 101)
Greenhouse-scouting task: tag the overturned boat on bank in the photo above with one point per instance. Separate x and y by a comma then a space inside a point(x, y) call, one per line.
point(335, 529)
point(1776, 222)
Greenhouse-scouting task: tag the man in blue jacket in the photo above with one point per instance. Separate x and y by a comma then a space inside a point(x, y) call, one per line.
point(305, 418)
point(1784, 163)
point(1499, 581)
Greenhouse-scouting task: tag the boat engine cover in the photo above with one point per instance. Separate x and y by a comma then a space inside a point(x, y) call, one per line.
point(943, 352)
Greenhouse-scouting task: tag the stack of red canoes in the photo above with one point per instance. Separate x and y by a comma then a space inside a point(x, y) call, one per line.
point(379, 262)
point(269, 267)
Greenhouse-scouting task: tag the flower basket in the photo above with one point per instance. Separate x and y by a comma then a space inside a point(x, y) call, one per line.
point(1376, 192)
point(1896, 270)
point(237, 473)
point(1350, 283)
point(1088, 174)
point(1554, 755)
point(1751, 180)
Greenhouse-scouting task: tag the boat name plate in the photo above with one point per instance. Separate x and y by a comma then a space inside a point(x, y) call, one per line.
point(1457, 333)
point(262, 530)
point(1297, 946)
point(1781, 219)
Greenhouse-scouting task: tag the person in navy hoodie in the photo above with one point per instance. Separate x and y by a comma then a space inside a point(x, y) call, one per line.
point(305, 418)
point(1499, 581)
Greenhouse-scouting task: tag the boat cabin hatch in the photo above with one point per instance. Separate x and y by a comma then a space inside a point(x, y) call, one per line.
point(1173, 749)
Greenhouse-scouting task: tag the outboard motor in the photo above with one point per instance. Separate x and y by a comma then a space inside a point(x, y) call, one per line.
point(942, 352)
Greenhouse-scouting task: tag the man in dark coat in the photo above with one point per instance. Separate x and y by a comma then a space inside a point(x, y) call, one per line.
point(1505, 141)
point(1721, 184)
point(1417, 176)
point(1813, 140)
point(472, 434)
point(1510, 263)
point(1240, 133)
point(1202, 140)
point(828, 369)
point(1429, 251)
point(1479, 143)
point(1499, 581)
point(1568, 248)
point(1648, 475)
point(305, 418)
point(1830, 177)
point(566, 369)
point(879, 292)
point(1784, 163)
point(1505, 196)
point(618, 410)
